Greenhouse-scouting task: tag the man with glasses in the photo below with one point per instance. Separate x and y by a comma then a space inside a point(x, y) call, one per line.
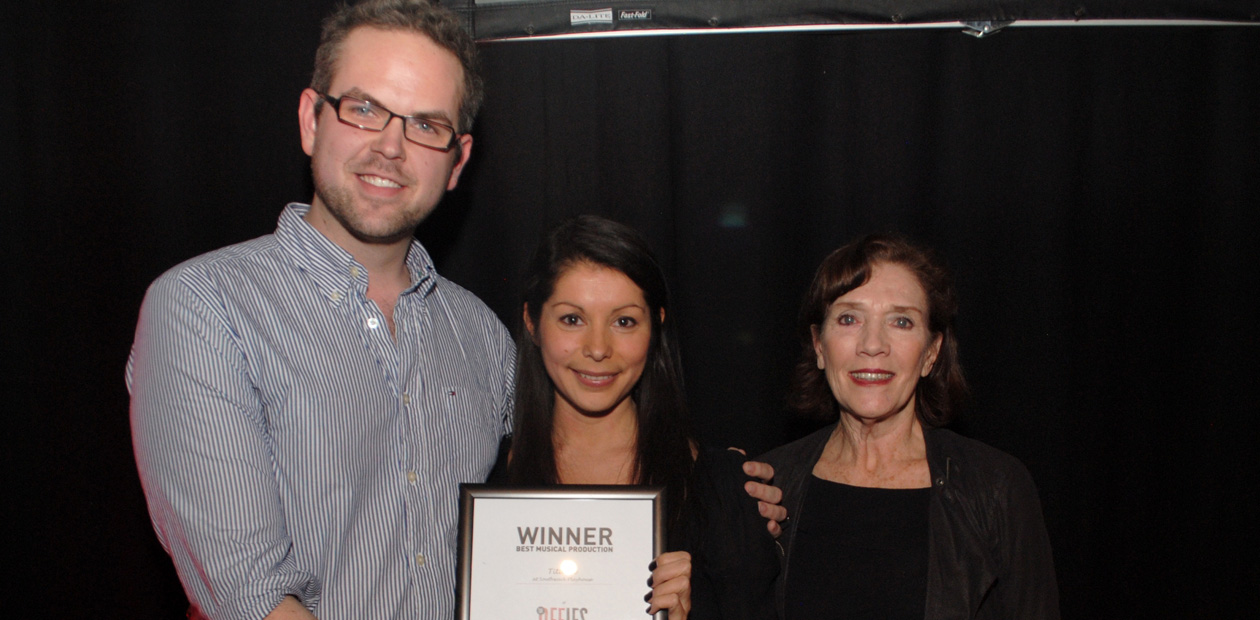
point(305, 404)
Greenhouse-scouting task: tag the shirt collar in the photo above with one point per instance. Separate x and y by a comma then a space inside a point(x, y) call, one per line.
point(333, 270)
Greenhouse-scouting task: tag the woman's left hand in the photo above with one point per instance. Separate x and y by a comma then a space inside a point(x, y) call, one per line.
point(671, 585)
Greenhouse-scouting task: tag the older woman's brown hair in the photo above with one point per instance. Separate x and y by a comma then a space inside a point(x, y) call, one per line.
point(938, 395)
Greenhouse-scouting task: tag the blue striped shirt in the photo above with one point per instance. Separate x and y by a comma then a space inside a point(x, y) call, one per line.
point(287, 444)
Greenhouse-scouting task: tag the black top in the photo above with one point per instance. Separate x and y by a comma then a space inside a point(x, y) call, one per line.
point(861, 553)
point(989, 556)
point(734, 560)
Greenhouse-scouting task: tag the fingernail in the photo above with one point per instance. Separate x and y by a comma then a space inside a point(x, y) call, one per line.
point(652, 566)
point(649, 581)
point(647, 597)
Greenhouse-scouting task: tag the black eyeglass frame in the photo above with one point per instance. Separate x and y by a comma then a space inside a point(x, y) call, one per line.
point(336, 104)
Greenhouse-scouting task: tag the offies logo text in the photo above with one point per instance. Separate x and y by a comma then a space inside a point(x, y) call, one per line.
point(561, 613)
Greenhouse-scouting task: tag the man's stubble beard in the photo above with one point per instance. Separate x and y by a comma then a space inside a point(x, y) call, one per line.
point(340, 203)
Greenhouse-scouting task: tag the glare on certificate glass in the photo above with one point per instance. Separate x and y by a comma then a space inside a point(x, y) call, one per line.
point(568, 567)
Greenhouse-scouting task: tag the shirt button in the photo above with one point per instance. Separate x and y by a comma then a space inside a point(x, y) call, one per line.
point(335, 296)
point(411, 477)
point(373, 323)
point(354, 271)
point(406, 399)
point(419, 559)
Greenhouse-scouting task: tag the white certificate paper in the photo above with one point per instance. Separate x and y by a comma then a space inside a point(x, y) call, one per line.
point(557, 553)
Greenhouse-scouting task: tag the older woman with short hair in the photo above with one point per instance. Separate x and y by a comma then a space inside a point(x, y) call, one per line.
point(892, 516)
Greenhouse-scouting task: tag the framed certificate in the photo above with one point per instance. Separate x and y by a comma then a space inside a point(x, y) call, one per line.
point(557, 553)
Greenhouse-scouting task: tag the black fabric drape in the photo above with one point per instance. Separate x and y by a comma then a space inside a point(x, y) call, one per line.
point(1091, 187)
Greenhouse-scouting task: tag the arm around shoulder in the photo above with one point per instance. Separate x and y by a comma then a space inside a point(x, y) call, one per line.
point(736, 557)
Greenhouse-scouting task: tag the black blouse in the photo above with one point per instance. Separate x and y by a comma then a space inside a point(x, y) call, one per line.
point(859, 553)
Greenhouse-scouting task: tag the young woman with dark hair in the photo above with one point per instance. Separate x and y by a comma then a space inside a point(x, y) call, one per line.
point(599, 400)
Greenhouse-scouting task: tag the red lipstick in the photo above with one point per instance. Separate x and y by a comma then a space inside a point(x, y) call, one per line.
point(871, 376)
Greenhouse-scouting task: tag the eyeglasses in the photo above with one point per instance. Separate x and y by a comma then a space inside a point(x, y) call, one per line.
point(428, 133)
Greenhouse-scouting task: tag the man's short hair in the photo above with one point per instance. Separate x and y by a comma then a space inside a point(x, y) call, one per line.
point(420, 16)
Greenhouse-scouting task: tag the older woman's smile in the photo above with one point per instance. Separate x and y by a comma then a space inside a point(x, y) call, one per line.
point(871, 377)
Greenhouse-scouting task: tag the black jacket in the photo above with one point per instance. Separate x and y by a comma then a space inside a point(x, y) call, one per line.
point(988, 556)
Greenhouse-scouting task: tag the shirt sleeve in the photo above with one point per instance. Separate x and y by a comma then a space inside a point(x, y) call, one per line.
point(204, 456)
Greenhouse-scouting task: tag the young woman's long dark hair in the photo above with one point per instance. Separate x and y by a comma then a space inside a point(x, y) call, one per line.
point(663, 445)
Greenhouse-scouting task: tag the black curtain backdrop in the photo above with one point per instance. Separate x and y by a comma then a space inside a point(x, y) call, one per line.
point(1092, 188)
